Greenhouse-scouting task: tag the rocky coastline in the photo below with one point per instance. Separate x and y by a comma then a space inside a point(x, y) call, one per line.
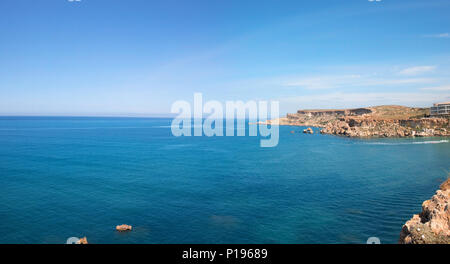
point(378, 121)
point(432, 225)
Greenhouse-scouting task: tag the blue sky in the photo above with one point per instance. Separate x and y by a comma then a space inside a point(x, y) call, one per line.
point(117, 57)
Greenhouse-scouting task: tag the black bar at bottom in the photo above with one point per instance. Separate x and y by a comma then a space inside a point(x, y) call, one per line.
point(230, 253)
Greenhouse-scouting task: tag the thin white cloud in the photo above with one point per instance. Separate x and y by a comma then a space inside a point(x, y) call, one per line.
point(401, 81)
point(413, 71)
point(323, 82)
point(441, 35)
point(437, 88)
point(348, 100)
point(347, 81)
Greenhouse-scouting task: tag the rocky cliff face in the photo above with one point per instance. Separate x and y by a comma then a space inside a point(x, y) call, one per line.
point(379, 121)
point(432, 225)
point(369, 127)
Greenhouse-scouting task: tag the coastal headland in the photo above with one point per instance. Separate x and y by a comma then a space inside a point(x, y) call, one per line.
point(377, 121)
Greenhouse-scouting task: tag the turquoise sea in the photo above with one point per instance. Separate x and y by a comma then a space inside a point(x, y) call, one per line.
point(62, 177)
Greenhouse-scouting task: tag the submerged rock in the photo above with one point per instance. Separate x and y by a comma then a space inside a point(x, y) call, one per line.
point(432, 225)
point(122, 228)
point(308, 131)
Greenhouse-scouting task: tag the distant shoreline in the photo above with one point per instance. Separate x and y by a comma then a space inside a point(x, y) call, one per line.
point(378, 121)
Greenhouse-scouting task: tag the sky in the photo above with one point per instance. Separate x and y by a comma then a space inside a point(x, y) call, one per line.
point(137, 57)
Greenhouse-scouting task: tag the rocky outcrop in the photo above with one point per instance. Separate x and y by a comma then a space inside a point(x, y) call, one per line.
point(83, 241)
point(122, 228)
point(308, 131)
point(432, 225)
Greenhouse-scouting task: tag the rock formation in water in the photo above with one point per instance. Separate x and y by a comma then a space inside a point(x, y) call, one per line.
point(378, 121)
point(122, 228)
point(308, 131)
point(83, 241)
point(432, 225)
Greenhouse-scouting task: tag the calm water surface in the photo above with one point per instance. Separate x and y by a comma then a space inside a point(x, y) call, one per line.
point(64, 177)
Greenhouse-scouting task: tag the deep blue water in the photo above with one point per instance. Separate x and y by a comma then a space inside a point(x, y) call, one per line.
point(64, 177)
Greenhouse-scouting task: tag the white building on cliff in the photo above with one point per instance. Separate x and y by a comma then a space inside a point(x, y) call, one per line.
point(440, 109)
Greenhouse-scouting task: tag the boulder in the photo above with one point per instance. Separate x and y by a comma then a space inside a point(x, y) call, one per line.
point(83, 241)
point(122, 228)
point(308, 131)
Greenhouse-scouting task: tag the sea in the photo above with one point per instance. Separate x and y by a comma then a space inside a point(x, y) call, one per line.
point(63, 177)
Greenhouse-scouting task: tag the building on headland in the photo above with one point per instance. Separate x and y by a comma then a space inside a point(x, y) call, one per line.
point(440, 109)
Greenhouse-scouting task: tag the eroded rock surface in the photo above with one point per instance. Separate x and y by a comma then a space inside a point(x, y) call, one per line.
point(432, 225)
point(83, 241)
point(122, 228)
point(369, 127)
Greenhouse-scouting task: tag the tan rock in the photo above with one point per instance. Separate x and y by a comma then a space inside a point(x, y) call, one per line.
point(83, 241)
point(122, 228)
point(308, 131)
point(446, 185)
point(432, 225)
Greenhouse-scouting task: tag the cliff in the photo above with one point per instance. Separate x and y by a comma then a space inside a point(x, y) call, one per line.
point(378, 121)
point(432, 225)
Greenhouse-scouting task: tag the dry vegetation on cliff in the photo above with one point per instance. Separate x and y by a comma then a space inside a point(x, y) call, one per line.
point(398, 112)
